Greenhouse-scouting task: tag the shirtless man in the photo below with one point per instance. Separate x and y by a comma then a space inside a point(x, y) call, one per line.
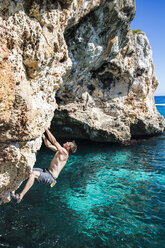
point(58, 162)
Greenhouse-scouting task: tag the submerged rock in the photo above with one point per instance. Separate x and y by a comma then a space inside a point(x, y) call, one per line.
point(80, 58)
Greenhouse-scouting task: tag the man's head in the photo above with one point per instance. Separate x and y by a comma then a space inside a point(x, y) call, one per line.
point(70, 146)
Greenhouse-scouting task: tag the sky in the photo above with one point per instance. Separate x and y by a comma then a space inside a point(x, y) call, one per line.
point(150, 18)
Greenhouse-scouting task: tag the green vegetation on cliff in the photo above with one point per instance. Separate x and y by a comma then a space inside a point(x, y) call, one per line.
point(137, 31)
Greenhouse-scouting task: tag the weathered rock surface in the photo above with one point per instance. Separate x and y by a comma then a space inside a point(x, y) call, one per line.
point(33, 59)
point(106, 94)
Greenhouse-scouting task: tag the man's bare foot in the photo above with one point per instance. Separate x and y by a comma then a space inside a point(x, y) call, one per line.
point(16, 197)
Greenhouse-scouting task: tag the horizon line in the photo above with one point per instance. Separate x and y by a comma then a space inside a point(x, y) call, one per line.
point(159, 95)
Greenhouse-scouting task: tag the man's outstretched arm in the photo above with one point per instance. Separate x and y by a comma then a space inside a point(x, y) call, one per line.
point(48, 144)
point(54, 142)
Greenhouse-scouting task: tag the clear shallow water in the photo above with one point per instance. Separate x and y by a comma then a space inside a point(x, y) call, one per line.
point(106, 196)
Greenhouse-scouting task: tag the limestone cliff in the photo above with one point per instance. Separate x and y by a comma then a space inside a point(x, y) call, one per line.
point(108, 95)
point(80, 58)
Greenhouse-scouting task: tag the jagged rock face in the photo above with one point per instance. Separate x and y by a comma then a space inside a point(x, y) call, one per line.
point(108, 95)
point(105, 95)
point(33, 59)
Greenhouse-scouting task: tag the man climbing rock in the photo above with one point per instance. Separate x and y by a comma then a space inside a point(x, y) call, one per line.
point(50, 174)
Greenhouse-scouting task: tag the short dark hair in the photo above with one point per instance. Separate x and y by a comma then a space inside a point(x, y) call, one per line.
point(73, 147)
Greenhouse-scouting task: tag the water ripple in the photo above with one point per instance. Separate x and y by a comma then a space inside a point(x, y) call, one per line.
point(109, 196)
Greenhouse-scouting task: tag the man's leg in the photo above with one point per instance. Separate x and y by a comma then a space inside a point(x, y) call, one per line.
point(34, 175)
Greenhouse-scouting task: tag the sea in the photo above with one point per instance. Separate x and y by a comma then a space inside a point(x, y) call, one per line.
point(107, 196)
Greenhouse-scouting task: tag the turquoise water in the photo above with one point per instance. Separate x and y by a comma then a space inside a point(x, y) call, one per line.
point(107, 196)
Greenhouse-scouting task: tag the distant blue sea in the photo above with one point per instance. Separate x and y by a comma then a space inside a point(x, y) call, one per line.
point(160, 100)
point(107, 196)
